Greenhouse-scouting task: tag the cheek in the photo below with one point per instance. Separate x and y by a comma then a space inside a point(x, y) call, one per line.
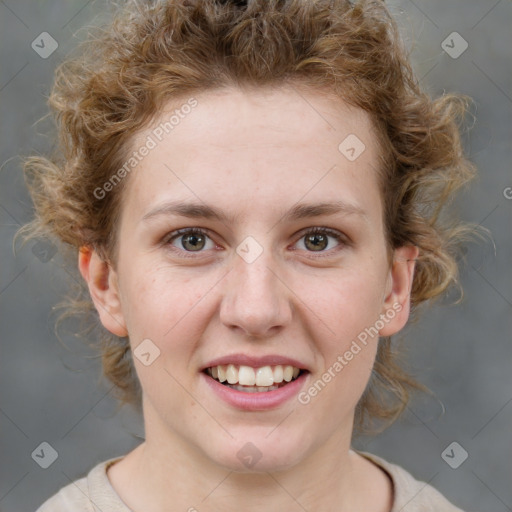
point(347, 353)
point(173, 310)
point(348, 302)
point(157, 297)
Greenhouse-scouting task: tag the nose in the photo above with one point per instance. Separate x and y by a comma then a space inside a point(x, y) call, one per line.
point(256, 300)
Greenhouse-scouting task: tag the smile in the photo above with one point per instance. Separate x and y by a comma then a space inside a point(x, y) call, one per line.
point(253, 380)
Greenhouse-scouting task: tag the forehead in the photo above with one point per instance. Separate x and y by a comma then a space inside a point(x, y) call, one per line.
point(256, 149)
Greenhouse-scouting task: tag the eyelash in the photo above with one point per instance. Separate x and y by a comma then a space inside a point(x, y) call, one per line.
point(341, 239)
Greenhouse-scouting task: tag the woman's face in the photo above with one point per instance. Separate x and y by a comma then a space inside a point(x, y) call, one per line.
point(287, 267)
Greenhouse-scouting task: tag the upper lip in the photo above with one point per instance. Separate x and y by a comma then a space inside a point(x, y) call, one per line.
point(254, 361)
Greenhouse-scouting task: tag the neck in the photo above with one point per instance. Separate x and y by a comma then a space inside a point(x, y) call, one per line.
point(165, 470)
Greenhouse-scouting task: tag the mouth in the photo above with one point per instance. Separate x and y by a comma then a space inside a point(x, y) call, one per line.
point(254, 380)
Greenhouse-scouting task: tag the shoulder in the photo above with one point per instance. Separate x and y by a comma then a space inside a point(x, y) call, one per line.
point(74, 496)
point(411, 495)
point(92, 493)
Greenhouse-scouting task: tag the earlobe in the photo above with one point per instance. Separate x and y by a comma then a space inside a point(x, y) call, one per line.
point(398, 299)
point(103, 287)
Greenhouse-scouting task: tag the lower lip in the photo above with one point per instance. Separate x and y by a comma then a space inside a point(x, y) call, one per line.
point(256, 401)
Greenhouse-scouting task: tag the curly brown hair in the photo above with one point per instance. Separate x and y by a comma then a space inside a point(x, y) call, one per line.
point(154, 52)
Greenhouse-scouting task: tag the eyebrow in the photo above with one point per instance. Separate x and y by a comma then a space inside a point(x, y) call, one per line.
point(297, 212)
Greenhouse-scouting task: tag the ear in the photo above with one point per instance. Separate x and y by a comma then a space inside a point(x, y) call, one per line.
point(397, 303)
point(102, 281)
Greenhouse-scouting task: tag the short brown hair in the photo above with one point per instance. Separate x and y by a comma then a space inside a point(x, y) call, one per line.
point(154, 52)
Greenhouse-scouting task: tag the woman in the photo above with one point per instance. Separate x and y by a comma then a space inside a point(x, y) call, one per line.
point(253, 191)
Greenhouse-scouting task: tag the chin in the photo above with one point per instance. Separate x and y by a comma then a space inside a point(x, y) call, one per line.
point(259, 452)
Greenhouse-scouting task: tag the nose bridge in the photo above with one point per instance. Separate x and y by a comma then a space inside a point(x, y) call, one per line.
point(255, 299)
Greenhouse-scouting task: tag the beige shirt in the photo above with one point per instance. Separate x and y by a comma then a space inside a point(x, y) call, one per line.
point(94, 493)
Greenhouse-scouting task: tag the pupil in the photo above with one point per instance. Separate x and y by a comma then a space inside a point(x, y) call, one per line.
point(317, 240)
point(195, 241)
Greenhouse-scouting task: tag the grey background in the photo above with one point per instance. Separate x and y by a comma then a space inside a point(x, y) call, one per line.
point(463, 353)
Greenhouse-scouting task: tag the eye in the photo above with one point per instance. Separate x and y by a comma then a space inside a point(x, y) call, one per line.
point(318, 240)
point(190, 240)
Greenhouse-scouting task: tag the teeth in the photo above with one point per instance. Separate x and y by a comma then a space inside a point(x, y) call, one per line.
point(252, 389)
point(264, 378)
point(278, 374)
point(246, 376)
point(232, 374)
point(221, 373)
point(288, 373)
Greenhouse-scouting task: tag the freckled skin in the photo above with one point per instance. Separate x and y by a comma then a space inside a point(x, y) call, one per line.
point(253, 155)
